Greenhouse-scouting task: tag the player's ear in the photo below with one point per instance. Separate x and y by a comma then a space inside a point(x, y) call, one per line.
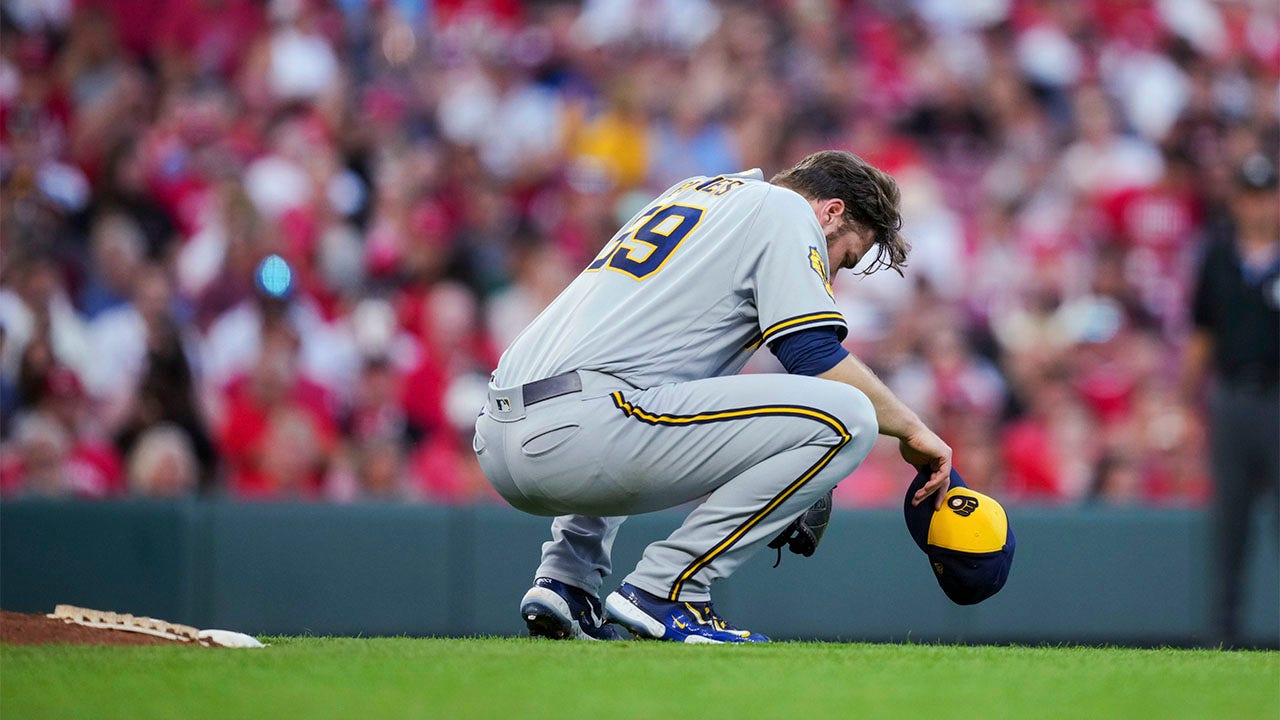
point(832, 210)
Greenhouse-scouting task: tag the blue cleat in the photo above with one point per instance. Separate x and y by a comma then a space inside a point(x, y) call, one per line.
point(555, 610)
point(648, 615)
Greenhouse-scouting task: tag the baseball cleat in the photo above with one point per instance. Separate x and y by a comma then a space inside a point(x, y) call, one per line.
point(649, 616)
point(552, 609)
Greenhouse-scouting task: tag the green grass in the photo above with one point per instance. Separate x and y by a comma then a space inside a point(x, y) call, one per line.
point(517, 678)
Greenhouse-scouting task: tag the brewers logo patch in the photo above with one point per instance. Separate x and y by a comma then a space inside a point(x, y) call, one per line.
point(962, 505)
point(815, 261)
point(970, 523)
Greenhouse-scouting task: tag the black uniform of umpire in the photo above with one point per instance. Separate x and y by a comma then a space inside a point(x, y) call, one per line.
point(1237, 322)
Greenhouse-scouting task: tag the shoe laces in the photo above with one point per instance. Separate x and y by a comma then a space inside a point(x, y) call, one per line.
point(706, 615)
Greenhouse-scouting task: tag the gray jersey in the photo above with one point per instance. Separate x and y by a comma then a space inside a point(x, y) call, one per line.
point(687, 289)
point(657, 328)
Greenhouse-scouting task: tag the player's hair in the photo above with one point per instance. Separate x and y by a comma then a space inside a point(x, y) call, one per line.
point(870, 196)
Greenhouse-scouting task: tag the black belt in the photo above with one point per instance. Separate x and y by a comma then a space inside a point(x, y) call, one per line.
point(552, 387)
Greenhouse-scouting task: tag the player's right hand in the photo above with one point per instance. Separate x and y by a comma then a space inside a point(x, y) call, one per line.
point(925, 449)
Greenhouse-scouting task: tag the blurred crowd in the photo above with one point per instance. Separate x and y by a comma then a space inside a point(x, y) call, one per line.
point(435, 171)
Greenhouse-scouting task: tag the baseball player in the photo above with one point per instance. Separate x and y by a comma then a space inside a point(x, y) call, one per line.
point(623, 396)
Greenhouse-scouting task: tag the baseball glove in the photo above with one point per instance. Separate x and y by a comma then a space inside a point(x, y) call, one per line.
point(805, 532)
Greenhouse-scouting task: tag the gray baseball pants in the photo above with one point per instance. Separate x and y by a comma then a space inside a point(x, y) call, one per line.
point(760, 449)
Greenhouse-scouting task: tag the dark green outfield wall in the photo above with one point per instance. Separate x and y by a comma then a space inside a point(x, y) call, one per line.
point(1092, 576)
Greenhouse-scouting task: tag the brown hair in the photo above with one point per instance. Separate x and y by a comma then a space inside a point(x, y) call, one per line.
point(870, 198)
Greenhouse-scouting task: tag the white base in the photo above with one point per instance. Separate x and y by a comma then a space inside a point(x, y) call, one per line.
point(230, 639)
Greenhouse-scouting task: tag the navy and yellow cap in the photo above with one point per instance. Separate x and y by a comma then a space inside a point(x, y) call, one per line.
point(969, 541)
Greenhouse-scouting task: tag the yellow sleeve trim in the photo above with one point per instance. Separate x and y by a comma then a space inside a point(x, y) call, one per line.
point(816, 318)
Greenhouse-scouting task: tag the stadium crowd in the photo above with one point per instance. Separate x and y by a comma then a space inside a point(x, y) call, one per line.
point(434, 172)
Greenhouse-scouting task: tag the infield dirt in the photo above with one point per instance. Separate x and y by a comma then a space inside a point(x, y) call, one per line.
point(24, 629)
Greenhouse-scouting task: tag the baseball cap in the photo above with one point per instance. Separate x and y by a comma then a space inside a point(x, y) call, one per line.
point(969, 541)
point(1256, 172)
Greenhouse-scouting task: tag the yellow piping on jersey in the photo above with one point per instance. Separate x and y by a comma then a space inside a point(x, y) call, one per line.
point(763, 410)
point(801, 320)
point(793, 410)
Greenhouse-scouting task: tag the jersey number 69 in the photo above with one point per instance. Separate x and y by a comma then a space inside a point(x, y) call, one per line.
point(644, 251)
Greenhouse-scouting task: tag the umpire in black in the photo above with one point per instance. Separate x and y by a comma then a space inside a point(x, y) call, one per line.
point(1236, 339)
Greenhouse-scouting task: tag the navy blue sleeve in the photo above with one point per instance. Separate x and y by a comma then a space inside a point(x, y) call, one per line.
point(809, 352)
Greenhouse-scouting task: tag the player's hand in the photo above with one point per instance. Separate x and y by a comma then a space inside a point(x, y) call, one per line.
point(924, 449)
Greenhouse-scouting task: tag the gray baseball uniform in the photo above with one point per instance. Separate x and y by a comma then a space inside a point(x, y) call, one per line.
point(654, 332)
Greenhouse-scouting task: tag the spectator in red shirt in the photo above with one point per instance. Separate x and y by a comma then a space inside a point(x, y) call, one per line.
point(277, 434)
point(58, 453)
